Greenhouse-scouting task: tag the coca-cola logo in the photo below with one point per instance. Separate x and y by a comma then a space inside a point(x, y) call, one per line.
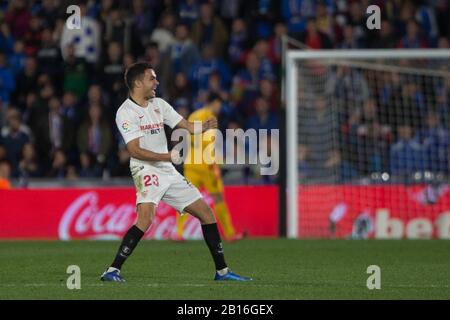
point(84, 218)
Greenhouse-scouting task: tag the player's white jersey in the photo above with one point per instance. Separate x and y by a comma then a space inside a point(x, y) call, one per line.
point(147, 124)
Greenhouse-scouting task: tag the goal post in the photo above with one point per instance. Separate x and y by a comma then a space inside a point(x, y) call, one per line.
point(348, 84)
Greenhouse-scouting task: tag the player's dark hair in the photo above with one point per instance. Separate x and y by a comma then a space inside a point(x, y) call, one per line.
point(134, 72)
point(213, 96)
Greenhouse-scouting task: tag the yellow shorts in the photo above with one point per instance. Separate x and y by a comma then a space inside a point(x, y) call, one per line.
point(209, 179)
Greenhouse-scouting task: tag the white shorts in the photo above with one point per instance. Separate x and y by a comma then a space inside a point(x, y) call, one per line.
point(154, 184)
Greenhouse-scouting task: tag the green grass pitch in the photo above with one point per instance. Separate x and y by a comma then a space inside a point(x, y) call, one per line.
point(282, 269)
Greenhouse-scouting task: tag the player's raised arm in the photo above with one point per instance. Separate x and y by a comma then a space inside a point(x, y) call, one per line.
point(146, 155)
point(195, 128)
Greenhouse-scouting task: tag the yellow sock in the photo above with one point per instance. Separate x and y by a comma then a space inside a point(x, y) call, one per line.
point(181, 220)
point(225, 219)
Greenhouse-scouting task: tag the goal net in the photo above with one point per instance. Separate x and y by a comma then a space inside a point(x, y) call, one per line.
point(368, 143)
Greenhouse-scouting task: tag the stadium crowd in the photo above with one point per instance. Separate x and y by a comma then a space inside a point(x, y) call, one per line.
point(60, 88)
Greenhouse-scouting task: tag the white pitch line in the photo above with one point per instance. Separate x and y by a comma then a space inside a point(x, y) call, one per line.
point(13, 285)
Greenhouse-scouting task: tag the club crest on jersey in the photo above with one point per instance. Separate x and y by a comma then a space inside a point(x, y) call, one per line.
point(126, 126)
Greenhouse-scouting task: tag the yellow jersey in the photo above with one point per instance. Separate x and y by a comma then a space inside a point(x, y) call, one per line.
point(201, 155)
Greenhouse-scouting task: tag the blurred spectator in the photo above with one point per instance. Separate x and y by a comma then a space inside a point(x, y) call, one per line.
point(7, 81)
point(443, 17)
point(413, 104)
point(386, 37)
point(142, 24)
point(246, 81)
point(407, 154)
point(348, 84)
point(264, 118)
point(230, 10)
point(58, 167)
point(304, 170)
point(188, 11)
point(261, 15)
point(16, 59)
point(69, 108)
point(268, 148)
point(75, 72)
point(295, 12)
point(215, 85)
point(357, 19)
point(5, 175)
point(26, 81)
point(40, 105)
point(183, 52)
point(3, 154)
point(48, 11)
point(314, 38)
point(370, 139)
point(325, 21)
point(122, 166)
point(269, 91)
point(6, 39)
point(163, 34)
point(52, 129)
point(275, 42)
point(29, 166)
point(210, 30)
point(13, 137)
point(88, 166)
point(436, 143)
point(337, 169)
point(116, 29)
point(350, 41)
point(317, 127)
point(96, 95)
point(413, 39)
point(208, 64)
point(180, 92)
point(18, 18)
point(71, 173)
point(49, 56)
point(112, 70)
point(426, 16)
point(162, 66)
point(235, 173)
point(239, 42)
point(85, 40)
point(32, 38)
point(261, 49)
point(443, 102)
point(94, 134)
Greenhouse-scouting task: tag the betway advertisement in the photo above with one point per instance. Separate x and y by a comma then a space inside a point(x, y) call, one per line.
point(380, 212)
point(107, 213)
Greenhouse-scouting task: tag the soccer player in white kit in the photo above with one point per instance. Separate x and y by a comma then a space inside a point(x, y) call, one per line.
point(141, 120)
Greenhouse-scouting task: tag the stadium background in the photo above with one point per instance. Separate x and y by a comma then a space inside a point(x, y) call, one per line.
point(60, 90)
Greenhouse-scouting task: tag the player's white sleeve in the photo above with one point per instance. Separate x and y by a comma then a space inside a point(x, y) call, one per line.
point(171, 117)
point(128, 125)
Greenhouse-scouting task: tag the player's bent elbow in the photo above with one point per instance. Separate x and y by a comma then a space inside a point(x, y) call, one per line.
point(133, 147)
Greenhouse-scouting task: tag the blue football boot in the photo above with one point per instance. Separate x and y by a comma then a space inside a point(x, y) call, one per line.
point(231, 276)
point(112, 276)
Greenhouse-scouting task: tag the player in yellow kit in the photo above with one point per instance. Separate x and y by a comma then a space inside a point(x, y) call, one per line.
point(206, 175)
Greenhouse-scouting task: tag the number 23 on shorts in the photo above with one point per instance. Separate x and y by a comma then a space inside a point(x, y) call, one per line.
point(151, 180)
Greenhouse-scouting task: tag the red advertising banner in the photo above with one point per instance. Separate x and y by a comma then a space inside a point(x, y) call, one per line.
point(381, 212)
point(107, 213)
